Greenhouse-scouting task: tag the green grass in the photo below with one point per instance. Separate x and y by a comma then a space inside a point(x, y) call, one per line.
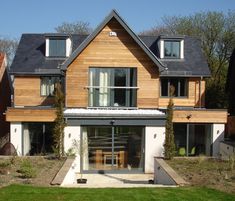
point(21, 193)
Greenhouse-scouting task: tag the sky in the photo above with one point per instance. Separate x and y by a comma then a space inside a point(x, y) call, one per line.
point(42, 16)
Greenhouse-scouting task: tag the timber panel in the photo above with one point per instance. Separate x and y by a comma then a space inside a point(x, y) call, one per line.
point(27, 92)
point(193, 98)
point(106, 51)
point(200, 116)
point(230, 127)
point(30, 115)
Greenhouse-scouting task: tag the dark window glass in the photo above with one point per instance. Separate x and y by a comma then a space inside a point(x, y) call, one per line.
point(179, 87)
point(164, 87)
point(109, 87)
point(183, 87)
point(57, 47)
point(172, 49)
point(174, 84)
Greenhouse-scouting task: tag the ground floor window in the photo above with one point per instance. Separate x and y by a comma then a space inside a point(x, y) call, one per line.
point(37, 138)
point(193, 139)
point(113, 148)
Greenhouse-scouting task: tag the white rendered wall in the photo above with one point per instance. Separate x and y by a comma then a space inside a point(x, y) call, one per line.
point(217, 137)
point(154, 140)
point(16, 136)
point(71, 134)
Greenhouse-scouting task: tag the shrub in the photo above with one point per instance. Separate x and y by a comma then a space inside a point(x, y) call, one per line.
point(5, 164)
point(27, 170)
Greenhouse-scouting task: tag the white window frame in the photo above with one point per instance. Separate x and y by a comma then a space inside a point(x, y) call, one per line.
point(162, 47)
point(67, 51)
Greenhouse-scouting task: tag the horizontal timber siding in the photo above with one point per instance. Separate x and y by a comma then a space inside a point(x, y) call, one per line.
point(200, 116)
point(27, 92)
point(30, 115)
point(106, 51)
point(193, 98)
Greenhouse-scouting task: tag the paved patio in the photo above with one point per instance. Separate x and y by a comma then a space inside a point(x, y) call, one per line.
point(115, 181)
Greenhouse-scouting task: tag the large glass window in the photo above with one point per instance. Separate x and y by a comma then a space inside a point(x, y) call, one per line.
point(179, 86)
point(37, 138)
point(113, 148)
point(171, 49)
point(112, 87)
point(48, 85)
point(192, 139)
point(57, 47)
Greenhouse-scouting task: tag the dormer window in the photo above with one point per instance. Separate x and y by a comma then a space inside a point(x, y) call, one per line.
point(58, 46)
point(171, 48)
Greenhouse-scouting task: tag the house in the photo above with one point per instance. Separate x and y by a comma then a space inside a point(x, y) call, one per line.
point(5, 99)
point(116, 87)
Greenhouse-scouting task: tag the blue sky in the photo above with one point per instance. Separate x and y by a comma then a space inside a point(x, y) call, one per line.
point(42, 16)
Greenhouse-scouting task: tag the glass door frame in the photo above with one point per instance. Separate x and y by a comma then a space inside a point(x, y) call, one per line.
point(123, 171)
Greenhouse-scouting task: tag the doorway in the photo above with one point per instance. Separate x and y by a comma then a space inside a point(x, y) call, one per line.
point(112, 148)
point(193, 139)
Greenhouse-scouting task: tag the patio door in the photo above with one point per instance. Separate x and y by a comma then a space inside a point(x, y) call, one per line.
point(193, 139)
point(113, 149)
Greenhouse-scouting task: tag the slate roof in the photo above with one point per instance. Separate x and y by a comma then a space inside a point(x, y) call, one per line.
point(193, 64)
point(30, 56)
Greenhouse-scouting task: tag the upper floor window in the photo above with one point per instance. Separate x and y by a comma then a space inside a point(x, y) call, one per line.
point(48, 85)
point(171, 49)
point(179, 85)
point(57, 47)
point(112, 87)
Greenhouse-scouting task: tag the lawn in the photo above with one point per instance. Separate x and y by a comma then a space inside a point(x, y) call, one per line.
point(27, 192)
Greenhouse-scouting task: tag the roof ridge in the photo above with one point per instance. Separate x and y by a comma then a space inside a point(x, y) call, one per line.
point(136, 38)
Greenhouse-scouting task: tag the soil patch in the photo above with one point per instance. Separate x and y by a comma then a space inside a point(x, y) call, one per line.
point(45, 168)
point(202, 171)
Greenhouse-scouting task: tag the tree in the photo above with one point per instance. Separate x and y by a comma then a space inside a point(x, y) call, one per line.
point(217, 32)
point(58, 131)
point(169, 145)
point(9, 47)
point(78, 27)
point(230, 84)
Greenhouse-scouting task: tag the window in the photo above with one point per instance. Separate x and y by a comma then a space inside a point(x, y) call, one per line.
point(171, 49)
point(48, 85)
point(112, 87)
point(180, 86)
point(57, 47)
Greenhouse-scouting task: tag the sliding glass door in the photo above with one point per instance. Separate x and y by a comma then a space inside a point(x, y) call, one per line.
point(113, 148)
point(193, 139)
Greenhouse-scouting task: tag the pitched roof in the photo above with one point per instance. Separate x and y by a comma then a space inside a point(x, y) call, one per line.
point(30, 55)
point(115, 15)
point(194, 63)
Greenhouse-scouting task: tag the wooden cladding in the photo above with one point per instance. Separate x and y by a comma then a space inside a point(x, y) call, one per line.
point(231, 126)
point(112, 51)
point(200, 116)
point(27, 92)
point(195, 95)
point(30, 115)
